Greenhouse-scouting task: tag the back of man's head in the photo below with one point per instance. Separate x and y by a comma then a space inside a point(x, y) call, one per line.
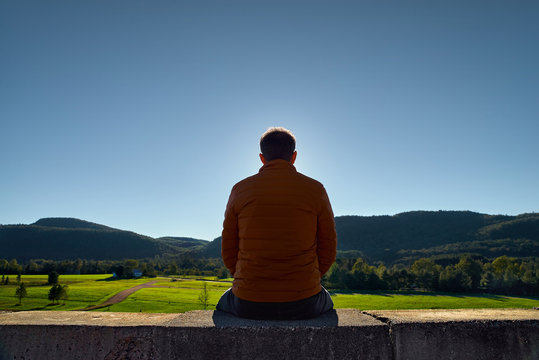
point(277, 143)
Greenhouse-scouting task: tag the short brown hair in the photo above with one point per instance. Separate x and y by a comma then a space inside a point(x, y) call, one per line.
point(277, 143)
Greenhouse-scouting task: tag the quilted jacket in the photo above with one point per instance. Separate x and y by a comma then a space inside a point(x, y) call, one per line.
point(278, 235)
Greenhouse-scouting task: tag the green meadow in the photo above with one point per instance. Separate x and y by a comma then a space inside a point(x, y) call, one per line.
point(196, 284)
point(83, 291)
point(179, 299)
point(418, 300)
point(171, 295)
point(166, 300)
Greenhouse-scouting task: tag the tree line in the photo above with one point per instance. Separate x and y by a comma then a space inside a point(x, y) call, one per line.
point(467, 273)
point(166, 265)
point(504, 275)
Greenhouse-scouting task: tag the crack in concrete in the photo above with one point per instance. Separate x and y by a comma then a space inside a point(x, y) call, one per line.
point(391, 334)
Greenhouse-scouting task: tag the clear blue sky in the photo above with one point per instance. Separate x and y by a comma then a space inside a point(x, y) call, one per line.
point(141, 115)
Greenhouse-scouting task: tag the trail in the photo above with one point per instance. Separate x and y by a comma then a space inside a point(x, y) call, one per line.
point(121, 296)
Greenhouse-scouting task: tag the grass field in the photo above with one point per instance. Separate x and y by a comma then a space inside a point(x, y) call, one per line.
point(83, 291)
point(413, 300)
point(184, 299)
point(166, 300)
point(194, 284)
point(181, 295)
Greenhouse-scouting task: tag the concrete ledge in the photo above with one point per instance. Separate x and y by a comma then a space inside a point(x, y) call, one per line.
point(463, 334)
point(193, 335)
point(341, 334)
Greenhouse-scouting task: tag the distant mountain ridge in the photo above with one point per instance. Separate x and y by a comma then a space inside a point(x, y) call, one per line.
point(70, 223)
point(70, 238)
point(183, 242)
point(397, 238)
point(425, 233)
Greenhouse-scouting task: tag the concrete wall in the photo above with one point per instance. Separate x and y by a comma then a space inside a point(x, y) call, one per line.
point(463, 334)
point(341, 334)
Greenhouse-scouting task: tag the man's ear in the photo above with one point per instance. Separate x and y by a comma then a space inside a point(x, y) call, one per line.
point(293, 158)
point(262, 159)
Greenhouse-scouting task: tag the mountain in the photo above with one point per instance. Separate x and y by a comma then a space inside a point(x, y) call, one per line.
point(70, 223)
point(399, 238)
point(417, 234)
point(68, 238)
point(212, 249)
point(183, 243)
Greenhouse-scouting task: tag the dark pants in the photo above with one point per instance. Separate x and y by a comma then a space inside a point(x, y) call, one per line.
point(302, 309)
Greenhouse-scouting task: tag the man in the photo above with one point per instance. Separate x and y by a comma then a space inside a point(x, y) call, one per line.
point(278, 238)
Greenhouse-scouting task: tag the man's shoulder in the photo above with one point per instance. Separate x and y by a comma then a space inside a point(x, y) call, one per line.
point(248, 180)
point(309, 180)
point(245, 184)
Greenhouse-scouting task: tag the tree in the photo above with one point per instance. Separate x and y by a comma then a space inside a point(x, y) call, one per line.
point(455, 279)
point(57, 292)
point(53, 278)
point(490, 282)
point(20, 292)
point(6, 281)
point(14, 267)
point(32, 268)
point(426, 273)
point(396, 278)
point(362, 276)
point(503, 263)
point(172, 269)
point(119, 270)
point(223, 273)
point(149, 271)
point(78, 266)
point(204, 296)
point(3, 265)
point(335, 276)
point(129, 266)
point(471, 268)
point(18, 278)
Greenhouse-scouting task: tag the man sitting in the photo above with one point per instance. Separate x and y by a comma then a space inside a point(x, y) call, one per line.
point(278, 238)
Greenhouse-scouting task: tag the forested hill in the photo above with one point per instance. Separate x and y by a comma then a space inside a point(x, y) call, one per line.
point(434, 233)
point(69, 239)
point(398, 238)
point(70, 223)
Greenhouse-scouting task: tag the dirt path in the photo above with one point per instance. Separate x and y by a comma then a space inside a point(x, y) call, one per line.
point(121, 296)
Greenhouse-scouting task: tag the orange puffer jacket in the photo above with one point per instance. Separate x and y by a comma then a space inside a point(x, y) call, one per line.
point(279, 235)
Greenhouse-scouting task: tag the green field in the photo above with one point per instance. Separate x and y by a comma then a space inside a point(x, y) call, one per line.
point(181, 294)
point(172, 296)
point(413, 300)
point(194, 284)
point(184, 299)
point(83, 291)
point(166, 300)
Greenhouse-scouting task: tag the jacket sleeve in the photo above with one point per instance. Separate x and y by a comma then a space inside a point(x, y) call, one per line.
point(326, 235)
point(230, 238)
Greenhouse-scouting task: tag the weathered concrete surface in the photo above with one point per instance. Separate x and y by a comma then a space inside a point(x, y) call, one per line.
point(463, 334)
point(84, 318)
point(341, 334)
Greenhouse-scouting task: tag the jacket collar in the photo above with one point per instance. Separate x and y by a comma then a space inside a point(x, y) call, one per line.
point(277, 164)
